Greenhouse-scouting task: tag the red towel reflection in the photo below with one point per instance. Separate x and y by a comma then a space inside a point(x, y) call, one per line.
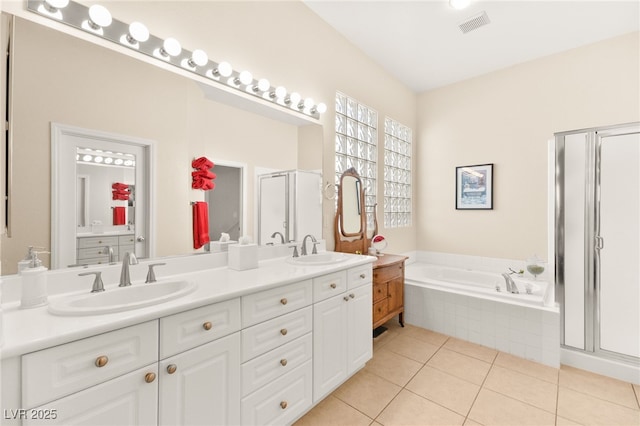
point(119, 216)
point(202, 163)
point(200, 224)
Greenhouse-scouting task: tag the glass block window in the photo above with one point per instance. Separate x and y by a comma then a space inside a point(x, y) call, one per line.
point(397, 174)
point(357, 146)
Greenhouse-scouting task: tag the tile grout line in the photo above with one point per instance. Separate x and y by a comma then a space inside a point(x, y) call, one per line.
point(480, 390)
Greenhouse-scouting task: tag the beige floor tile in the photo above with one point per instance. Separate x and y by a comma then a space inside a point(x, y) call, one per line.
point(602, 387)
point(636, 388)
point(392, 367)
point(367, 393)
point(375, 424)
point(492, 408)
point(527, 367)
point(462, 366)
point(524, 388)
point(471, 349)
point(561, 421)
point(383, 339)
point(412, 348)
point(589, 410)
point(426, 335)
point(449, 391)
point(470, 422)
point(410, 409)
point(332, 411)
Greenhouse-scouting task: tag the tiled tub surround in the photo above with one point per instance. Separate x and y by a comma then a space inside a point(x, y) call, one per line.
point(527, 330)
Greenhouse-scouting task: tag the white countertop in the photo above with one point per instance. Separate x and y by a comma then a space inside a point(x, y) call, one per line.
point(28, 330)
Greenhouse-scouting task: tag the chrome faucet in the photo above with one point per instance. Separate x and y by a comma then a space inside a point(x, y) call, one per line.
point(303, 249)
point(511, 285)
point(281, 236)
point(125, 278)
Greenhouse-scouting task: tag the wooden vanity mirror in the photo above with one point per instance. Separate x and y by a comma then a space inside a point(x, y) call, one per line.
point(350, 225)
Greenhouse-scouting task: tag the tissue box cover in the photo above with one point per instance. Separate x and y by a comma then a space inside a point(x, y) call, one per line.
point(243, 256)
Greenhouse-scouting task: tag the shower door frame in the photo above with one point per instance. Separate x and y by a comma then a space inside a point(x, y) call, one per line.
point(593, 241)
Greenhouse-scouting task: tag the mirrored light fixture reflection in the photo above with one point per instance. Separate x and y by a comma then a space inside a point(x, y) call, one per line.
point(459, 4)
point(98, 21)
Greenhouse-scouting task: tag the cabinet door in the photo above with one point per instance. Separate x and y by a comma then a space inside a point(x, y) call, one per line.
point(130, 399)
point(330, 343)
point(204, 388)
point(396, 294)
point(360, 340)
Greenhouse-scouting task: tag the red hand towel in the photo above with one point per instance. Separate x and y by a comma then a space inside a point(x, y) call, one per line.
point(123, 197)
point(120, 186)
point(202, 163)
point(202, 183)
point(119, 216)
point(203, 174)
point(200, 224)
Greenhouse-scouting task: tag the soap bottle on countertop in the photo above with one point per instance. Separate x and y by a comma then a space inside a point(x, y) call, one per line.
point(26, 262)
point(34, 282)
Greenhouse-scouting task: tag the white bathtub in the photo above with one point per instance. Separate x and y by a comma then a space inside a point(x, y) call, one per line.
point(479, 283)
point(466, 305)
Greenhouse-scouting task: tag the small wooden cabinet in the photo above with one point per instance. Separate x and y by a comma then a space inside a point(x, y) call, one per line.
point(388, 289)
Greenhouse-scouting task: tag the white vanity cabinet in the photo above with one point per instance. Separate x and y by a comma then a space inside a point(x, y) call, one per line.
point(342, 341)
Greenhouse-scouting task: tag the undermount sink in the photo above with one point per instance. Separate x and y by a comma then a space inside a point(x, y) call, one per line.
point(120, 299)
point(327, 258)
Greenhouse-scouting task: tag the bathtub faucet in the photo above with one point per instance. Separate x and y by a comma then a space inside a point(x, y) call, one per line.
point(511, 285)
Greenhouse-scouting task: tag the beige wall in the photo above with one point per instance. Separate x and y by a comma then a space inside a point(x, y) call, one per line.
point(506, 118)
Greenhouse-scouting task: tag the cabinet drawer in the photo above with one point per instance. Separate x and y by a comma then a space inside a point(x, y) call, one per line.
point(101, 252)
point(388, 272)
point(268, 304)
point(359, 275)
point(263, 337)
point(86, 242)
point(329, 285)
point(59, 371)
point(125, 400)
point(379, 291)
point(380, 309)
point(276, 363)
point(282, 401)
point(126, 240)
point(189, 329)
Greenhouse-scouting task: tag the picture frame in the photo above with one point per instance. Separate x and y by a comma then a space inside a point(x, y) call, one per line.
point(474, 187)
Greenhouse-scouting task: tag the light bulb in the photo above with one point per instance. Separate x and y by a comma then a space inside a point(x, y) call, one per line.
point(138, 32)
point(52, 8)
point(245, 77)
point(263, 85)
point(171, 47)
point(99, 16)
point(308, 103)
point(118, 161)
point(199, 57)
point(294, 98)
point(98, 159)
point(224, 69)
point(128, 162)
point(321, 108)
point(108, 160)
point(459, 4)
point(281, 92)
point(87, 157)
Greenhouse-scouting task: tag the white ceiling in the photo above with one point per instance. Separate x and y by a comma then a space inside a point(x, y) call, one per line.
point(420, 43)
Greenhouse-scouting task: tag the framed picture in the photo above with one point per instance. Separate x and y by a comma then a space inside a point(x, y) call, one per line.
point(474, 187)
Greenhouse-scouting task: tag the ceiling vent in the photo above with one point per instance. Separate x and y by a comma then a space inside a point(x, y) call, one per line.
point(475, 22)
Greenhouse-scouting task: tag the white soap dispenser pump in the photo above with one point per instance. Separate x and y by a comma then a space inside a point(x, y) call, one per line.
point(34, 282)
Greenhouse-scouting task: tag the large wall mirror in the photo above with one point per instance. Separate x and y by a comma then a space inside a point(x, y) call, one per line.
point(58, 78)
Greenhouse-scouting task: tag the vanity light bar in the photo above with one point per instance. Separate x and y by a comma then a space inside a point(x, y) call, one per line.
point(137, 37)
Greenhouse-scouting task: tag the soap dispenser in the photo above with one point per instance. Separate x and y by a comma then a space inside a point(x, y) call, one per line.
point(34, 282)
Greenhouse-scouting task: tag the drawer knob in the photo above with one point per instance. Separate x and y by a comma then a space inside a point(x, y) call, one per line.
point(101, 361)
point(171, 368)
point(346, 298)
point(149, 377)
point(207, 325)
point(283, 361)
point(283, 331)
point(283, 404)
point(352, 296)
point(283, 300)
point(363, 276)
point(333, 285)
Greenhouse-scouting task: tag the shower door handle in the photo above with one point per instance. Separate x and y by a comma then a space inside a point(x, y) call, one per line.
point(599, 243)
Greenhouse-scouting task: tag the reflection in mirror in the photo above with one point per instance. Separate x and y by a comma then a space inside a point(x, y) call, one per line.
point(92, 87)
